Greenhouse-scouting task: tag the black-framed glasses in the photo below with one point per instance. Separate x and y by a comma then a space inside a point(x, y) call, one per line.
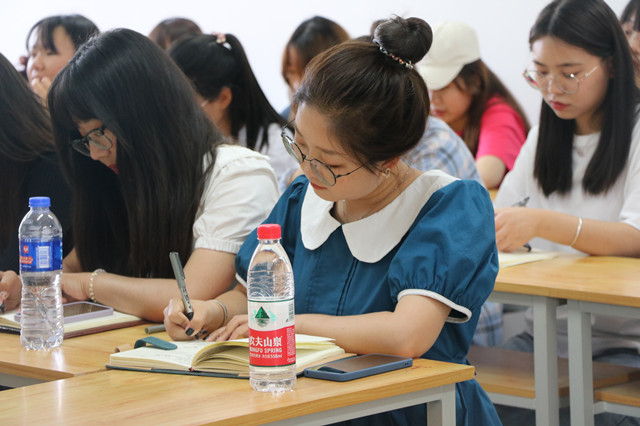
point(567, 83)
point(95, 137)
point(319, 169)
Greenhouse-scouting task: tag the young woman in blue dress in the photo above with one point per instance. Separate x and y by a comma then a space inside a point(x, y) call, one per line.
point(385, 258)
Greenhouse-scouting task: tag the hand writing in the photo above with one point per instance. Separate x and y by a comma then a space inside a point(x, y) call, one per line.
point(515, 226)
point(10, 289)
point(178, 325)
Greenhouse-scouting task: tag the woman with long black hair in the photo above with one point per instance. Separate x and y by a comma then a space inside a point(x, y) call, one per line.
point(149, 177)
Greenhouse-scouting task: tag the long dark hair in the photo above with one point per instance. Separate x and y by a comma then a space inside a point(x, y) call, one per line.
point(377, 108)
point(590, 25)
point(482, 84)
point(25, 135)
point(213, 62)
point(128, 223)
point(79, 29)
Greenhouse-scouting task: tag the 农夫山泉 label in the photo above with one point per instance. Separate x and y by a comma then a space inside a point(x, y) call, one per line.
point(40, 256)
point(272, 336)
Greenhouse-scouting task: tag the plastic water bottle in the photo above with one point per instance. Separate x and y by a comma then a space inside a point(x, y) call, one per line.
point(272, 344)
point(40, 234)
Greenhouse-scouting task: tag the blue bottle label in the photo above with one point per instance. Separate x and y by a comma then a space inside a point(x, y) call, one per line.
point(40, 256)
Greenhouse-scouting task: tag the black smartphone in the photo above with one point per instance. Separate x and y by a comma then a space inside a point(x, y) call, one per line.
point(358, 366)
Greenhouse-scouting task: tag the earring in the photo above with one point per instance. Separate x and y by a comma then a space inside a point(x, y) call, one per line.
point(387, 173)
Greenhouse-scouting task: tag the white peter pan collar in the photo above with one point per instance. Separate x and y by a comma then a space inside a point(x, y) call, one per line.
point(371, 238)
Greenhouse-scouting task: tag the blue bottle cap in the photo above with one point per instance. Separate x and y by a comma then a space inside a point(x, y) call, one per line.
point(39, 202)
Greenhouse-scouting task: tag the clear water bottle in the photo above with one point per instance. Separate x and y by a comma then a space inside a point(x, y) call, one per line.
point(40, 234)
point(272, 340)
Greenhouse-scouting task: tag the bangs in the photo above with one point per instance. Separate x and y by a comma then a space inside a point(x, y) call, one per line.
point(42, 35)
point(68, 103)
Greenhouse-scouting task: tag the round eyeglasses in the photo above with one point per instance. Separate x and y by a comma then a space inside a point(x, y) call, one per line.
point(567, 83)
point(319, 169)
point(95, 137)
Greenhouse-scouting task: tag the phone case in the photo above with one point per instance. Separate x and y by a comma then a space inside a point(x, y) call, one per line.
point(357, 367)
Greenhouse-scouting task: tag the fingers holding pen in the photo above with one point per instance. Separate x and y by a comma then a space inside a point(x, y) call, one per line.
point(180, 327)
point(10, 290)
point(175, 321)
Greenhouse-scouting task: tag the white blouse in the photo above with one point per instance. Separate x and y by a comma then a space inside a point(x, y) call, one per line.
point(238, 195)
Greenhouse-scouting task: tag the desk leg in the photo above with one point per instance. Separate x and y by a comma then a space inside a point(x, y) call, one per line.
point(443, 411)
point(580, 366)
point(545, 358)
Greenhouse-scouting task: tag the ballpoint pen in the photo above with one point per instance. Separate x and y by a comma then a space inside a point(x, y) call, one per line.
point(523, 203)
point(3, 294)
point(179, 273)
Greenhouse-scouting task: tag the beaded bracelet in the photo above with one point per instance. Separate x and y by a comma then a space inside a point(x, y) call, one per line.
point(575, 238)
point(93, 275)
point(224, 309)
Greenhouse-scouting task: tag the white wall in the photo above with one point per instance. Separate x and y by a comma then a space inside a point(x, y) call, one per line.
point(264, 27)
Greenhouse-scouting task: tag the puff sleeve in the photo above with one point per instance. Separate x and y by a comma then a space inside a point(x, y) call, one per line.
point(450, 253)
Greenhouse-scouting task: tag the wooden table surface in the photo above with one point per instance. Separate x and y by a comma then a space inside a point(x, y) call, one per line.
point(601, 279)
point(77, 355)
point(132, 397)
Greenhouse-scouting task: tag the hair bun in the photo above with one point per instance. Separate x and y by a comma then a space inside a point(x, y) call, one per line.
point(408, 39)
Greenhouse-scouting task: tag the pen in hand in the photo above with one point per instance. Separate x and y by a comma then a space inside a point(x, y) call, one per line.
point(4, 295)
point(178, 271)
point(523, 203)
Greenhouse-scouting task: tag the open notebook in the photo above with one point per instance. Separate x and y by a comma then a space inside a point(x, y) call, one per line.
point(78, 328)
point(222, 359)
point(519, 257)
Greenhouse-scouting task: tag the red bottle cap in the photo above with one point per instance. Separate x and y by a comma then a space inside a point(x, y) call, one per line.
point(269, 231)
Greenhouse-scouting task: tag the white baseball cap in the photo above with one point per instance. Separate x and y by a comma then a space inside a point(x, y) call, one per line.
point(455, 44)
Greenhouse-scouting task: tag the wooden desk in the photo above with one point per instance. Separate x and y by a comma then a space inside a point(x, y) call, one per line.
point(123, 397)
point(76, 356)
point(590, 284)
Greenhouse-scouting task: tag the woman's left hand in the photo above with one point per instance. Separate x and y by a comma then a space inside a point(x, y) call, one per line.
point(236, 328)
point(75, 286)
point(10, 289)
point(515, 226)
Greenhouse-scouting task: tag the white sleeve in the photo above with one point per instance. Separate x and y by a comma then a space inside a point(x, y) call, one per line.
point(519, 182)
point(238, 196)
point(630, 212)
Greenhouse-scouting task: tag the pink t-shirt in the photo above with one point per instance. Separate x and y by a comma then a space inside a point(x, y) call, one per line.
point(502, 132)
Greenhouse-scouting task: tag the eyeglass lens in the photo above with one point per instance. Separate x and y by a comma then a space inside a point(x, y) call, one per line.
point(96, 137)
point(568, 84)
point(319, 169)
